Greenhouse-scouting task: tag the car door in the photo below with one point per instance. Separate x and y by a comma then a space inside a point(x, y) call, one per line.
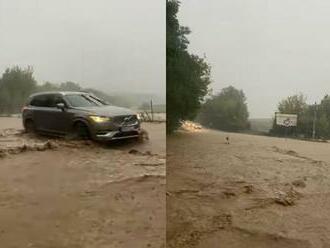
point(41, 112)
point(61, 118)
point(48, 117)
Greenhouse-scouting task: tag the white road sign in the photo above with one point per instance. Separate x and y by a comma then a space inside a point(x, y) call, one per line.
point(287, 120)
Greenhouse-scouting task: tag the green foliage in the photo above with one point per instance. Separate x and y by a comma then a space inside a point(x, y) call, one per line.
point(323, 118)
point(323, 126)
point(225, 111)
point(67, 86)
point(297, 105)
point(188, 76)
point(47, 86)
point(70, 86)
point(16, 85)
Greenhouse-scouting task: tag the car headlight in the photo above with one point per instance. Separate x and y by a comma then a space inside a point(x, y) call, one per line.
point(138, 116)
point(99, 119)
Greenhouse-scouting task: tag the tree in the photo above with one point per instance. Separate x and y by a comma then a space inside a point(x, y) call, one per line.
point(188, 76)
point(47, 86)
point(16, 85)
point(323, 126)
point(295, 104)
point(226, 111)
point(323, 118)
point(70, 86)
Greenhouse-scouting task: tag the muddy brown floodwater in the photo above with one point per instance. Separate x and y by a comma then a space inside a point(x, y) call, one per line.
point(259, 192)
point(76, 194)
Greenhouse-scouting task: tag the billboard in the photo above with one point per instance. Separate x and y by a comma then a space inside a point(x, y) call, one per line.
point(286, 120)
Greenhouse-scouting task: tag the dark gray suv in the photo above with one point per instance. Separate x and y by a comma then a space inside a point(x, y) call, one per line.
point(80, 114)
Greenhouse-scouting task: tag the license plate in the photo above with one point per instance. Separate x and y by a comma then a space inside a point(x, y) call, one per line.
point(127, 129)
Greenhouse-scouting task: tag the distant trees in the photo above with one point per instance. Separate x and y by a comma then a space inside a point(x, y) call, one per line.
point(67, 86)
point(47, 86)
point(323, 118)
point(297, 104)
point(188, 76)
point(225, 111)
point(16, 85)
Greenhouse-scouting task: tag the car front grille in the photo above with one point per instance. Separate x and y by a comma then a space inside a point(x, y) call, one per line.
point(125, 120)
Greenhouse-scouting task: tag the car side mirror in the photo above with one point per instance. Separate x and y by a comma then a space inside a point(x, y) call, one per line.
point(60, 106)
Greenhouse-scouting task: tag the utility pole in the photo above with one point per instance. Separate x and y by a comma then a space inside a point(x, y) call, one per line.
point(314, 120)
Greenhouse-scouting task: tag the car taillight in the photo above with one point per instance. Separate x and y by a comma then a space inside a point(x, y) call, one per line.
point(23, 108)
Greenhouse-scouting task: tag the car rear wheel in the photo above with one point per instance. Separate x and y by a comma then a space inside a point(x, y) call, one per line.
point(81, 131)
point(29, 126)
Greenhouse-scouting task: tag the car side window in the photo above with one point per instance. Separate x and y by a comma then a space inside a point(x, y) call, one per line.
point(39, 101)
point(50, 101)
point(43, 101)
point(59, 99)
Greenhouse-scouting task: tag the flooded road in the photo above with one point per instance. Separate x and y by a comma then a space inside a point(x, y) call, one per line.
point(57, 193)
point(256, 192)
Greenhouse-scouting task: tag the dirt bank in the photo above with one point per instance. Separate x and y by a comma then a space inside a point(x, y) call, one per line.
point(81, 194)
point(256, 192)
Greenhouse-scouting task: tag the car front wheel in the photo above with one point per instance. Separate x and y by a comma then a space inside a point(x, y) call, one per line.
point(81, 131)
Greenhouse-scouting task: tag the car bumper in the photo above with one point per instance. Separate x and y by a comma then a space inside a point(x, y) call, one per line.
point(118, 135)
point(117, 132)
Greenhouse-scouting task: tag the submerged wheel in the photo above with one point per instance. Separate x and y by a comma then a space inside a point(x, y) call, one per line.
point(29, 126)
point(81, 130)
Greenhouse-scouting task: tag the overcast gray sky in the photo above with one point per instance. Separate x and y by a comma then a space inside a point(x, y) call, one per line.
point(107, 44)
point(269, 48)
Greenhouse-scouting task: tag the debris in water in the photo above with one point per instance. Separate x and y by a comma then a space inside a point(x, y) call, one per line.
point(286, 198)
point(2, 154)
point(49, 145)
point(299, 183)
point(248, 189)
point(222, 221)
point(133, 151)
point(136, 152)
point(229, 193)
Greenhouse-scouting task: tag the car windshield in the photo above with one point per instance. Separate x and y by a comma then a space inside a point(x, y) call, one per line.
point(98, 100)
point(83, 100)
